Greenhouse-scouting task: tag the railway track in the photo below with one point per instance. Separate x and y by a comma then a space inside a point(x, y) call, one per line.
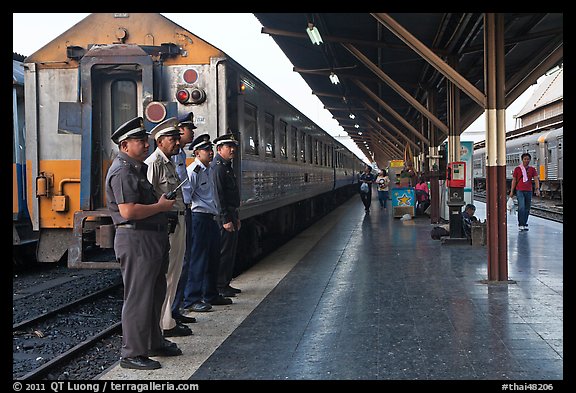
point(62, 339)
point(548, 209)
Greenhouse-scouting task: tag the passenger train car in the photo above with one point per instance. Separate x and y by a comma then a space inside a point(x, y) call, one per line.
point(109, 68)
point(545, 148)
point(23, 238)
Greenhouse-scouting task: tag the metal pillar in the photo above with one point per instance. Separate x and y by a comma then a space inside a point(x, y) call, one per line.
point(455, 195)
point(434, 162)
point(494, 77)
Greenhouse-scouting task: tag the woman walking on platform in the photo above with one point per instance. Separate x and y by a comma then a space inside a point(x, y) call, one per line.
point(382, 182)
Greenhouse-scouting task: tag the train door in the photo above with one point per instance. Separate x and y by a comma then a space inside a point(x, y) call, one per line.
point(116, 82)
point(115, 101)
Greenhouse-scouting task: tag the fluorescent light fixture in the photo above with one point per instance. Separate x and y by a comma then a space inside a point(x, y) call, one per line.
point(314, 34)
point(334, 78)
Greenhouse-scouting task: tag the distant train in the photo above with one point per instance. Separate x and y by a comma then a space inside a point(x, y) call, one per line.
point(109, 68)
point(545, 148)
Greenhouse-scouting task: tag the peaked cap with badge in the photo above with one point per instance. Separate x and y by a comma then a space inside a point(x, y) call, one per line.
point(227, 138)
point(201, 142)
point(131, 129)
point(168, 127)
point(187, 120)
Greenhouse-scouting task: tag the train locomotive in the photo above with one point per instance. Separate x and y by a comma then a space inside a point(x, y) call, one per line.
point(545, 148)
point(109, 68)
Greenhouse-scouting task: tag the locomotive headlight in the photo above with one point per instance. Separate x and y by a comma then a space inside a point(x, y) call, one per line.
point(193, 96)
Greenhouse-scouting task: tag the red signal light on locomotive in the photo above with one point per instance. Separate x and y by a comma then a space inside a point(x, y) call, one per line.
point(182, 96)
point(193, 96)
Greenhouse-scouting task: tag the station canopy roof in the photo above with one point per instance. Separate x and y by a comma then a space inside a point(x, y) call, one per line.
point(386, 77)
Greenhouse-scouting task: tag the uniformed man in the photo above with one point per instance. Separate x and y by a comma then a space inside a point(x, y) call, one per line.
point(141, 247)
point(187, 127)
point(164, 178)
point(229, 219)
point(201, 291)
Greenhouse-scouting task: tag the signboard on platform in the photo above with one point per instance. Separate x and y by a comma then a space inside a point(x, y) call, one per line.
point(403, 201)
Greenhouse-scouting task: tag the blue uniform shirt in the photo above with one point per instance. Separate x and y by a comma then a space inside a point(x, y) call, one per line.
point(203, 190)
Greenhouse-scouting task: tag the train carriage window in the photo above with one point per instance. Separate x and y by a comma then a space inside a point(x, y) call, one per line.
point(250, 129)
point(294, 138)
point(269, 141)
point(283, 139)
point(302, 146)
point(309, 149)
point(123, 102)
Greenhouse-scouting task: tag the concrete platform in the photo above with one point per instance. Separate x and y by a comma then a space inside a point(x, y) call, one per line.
point(370, 297)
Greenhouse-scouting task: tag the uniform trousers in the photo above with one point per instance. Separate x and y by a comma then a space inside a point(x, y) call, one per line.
point(204, 260)
point(177, 249)
point(143, 257)
point(228, 246)
point(179, 297)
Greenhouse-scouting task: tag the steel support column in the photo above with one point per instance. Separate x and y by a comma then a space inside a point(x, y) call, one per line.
point(434, 163)
point(494, 77)
point(453, 114)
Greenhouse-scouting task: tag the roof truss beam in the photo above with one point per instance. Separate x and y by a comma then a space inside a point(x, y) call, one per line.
point(396, 87)
point(433, 59)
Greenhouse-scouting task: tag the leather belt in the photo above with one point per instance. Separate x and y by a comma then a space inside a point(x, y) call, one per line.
point(145, 227)
point(204, 214)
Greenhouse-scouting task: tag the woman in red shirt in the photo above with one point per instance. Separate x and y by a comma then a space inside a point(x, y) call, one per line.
point(522, 182)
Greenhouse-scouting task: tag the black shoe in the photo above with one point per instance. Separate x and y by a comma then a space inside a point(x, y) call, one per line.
point(227, 293)
point(167, 350)
point(178, 331)
point(184, 319)
point(169, 343)
point(220, 301)
point(140, 363)
point(200, 307)
point(235, 290)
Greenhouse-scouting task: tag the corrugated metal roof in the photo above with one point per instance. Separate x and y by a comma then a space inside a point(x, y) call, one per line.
point(551, 89)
